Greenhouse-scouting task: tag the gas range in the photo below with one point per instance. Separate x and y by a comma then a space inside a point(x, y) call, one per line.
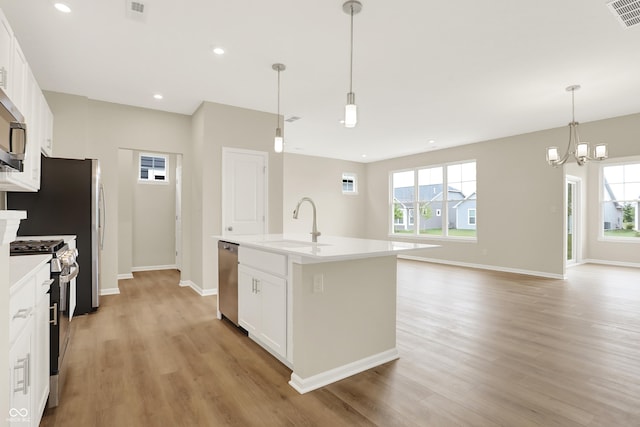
point(30, 247)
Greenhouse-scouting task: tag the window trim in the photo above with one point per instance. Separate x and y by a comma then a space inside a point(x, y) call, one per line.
point(445, 212)
point(166, 158)
point(606, 163)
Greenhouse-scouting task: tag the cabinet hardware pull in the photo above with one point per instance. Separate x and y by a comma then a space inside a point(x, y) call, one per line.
point(54, 307)
point(21, 385)
point(23, 313)
point(3, 77)
point(257, 286)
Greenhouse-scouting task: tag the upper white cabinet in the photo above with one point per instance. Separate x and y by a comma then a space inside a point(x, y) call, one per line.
point(18, 82)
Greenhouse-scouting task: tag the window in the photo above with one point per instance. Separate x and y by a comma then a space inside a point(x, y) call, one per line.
point(435, 201)
point(620, 202)
point(349, 183)
point(153, 168)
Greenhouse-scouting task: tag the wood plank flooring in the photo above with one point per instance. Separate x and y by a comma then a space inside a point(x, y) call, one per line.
point(477, 348)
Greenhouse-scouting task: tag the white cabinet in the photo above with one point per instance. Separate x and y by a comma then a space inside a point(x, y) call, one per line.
point(6, 52)
point(18, 82)
point(20, 359)
point(262, 299)
point(29, 347)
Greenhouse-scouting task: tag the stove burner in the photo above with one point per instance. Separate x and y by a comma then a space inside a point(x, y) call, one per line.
point(25, 247)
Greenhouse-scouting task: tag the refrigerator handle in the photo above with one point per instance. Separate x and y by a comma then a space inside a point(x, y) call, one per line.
point(102, 218)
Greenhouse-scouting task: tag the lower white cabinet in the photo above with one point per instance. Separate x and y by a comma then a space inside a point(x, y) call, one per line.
point(29, 351)
point(262, 308)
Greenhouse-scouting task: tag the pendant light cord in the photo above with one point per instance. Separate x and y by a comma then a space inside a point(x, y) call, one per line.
point(351, 56)
point(278, 116)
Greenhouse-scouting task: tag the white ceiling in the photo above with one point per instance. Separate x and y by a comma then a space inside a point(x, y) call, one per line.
point(456, 72)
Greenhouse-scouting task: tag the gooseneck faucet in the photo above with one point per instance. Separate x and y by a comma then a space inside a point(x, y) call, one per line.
point(314, 232)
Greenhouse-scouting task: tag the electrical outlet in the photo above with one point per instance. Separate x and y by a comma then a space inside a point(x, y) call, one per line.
point(318, 283)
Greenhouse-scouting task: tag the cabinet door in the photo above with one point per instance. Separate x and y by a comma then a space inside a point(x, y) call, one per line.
point(248, 300)
point(41, 349)
point(18, 78)
point(273, 326)
point(46, 117)
point(6, 51)
point(20, 388)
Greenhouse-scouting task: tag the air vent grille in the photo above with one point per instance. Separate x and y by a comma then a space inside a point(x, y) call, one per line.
point(137, 10)
point(626, 11)
point(292, 119)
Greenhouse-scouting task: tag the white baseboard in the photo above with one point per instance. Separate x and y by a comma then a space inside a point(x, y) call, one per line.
point(125, 276)
point(613, 263)
point(305, 385)
point(110, 291)
point(154, 268)
point(198, 289)
point(485, 267)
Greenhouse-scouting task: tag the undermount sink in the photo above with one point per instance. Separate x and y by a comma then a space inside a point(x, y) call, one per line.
point(293, 244)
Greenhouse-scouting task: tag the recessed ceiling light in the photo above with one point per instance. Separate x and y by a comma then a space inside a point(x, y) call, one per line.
point(432, 141)
point(62, 7)
point(364, 155)
point(218, 50)
point(158, 96)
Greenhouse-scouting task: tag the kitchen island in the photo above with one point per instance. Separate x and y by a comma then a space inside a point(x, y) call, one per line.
point(327, 310)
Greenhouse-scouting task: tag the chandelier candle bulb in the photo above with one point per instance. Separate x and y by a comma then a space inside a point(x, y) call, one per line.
point(552, 154)
point(601, 151)
point(582, 150)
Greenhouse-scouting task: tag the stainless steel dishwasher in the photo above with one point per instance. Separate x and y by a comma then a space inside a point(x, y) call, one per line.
point(228, 280)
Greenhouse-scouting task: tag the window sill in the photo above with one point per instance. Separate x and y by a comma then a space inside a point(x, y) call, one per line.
point(144, 181)
point(632, 240)
point(434, 238)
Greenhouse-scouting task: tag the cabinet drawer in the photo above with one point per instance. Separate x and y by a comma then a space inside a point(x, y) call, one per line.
point(42, 276)
point(263, 260)
point(21, 305)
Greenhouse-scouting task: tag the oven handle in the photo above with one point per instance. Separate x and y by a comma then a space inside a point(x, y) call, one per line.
point(54, 307)
point(66, 278)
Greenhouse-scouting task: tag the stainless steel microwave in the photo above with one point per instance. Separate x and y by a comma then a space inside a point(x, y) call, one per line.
point(13, 135)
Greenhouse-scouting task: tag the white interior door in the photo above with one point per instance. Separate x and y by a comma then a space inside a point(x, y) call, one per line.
point(244, 191)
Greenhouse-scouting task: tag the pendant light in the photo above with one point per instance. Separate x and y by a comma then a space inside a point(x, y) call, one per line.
point(580, 150)
point(278, 141)
point(351, 7)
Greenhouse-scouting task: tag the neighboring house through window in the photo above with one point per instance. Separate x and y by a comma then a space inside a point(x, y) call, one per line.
point(153, 168)
point(620, 201)
point(435, 201)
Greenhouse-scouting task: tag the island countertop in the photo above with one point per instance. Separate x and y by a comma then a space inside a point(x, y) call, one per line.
point(328, 248)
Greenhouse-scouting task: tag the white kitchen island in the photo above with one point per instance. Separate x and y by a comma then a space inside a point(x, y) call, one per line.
point(327, 310)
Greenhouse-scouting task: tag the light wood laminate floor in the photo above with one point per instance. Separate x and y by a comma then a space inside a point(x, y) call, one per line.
point(477, 348)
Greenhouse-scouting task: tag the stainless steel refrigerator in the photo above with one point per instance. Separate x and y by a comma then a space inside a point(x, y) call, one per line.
point(70, 201)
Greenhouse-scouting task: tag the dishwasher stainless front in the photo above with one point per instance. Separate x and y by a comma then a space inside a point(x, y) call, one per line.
point(228, 280)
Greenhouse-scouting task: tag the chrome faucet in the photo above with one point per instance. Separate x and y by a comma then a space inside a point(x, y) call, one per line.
point(314, 232)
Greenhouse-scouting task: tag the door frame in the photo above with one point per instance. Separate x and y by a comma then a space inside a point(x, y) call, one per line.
point(178, 226)
point(265, 156)
point(576, 240)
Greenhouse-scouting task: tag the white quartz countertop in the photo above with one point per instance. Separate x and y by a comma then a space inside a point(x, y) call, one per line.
point(66, 237)
point(20, 266)
point(328, 248)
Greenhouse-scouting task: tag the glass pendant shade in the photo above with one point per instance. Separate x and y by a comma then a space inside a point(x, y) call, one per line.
point(278, 141)
point(552, 154)
point(601, 152)
point(350, 115)
point(582, 150)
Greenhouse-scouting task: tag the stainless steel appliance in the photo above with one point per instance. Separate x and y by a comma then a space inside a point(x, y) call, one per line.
point(13, 135)
point(63, 270)
point(70, 202)
point(228, 280)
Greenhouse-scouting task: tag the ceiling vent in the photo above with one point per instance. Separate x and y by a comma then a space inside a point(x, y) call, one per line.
point(292, 119)
point(136, 10)
point(626, 11)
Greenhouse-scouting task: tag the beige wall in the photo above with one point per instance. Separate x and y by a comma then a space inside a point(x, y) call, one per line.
point(321, 179)
point(215, 126)
point(99, 130)
point(520, 204)
point(154, 219)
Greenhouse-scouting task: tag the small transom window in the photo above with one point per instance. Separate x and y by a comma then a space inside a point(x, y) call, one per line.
point(349, 183)
point(153, 168)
